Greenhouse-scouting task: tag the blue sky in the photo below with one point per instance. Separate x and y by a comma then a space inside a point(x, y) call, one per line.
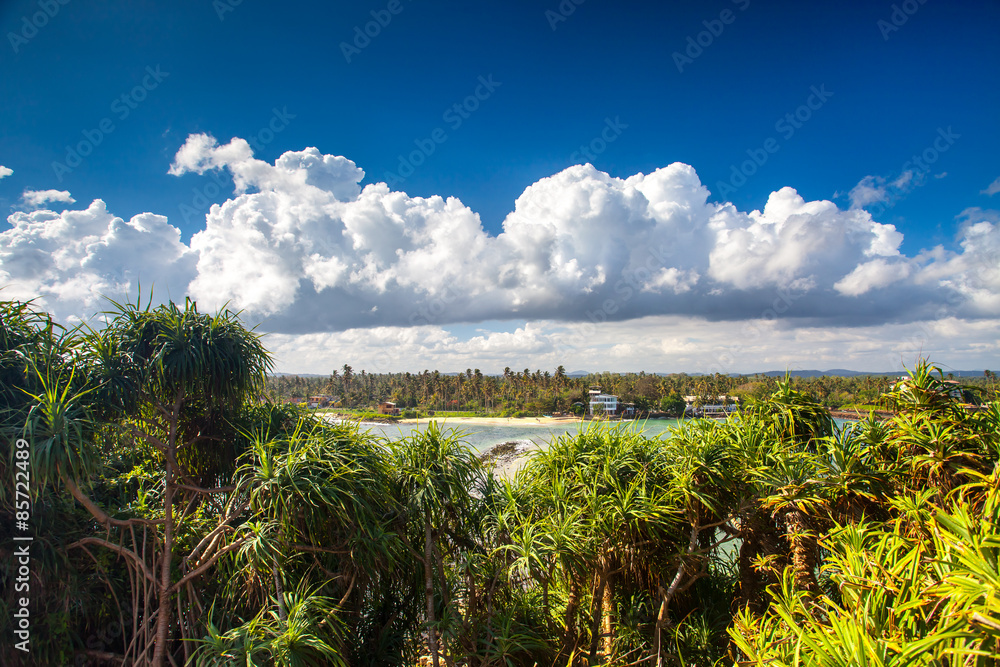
point(138, 81)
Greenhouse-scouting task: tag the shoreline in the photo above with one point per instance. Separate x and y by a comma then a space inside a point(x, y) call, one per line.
point(453, 421)
point(495, 421)
point(881, 415)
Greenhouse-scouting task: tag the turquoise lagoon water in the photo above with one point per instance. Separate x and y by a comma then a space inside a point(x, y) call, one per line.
point(482, 437)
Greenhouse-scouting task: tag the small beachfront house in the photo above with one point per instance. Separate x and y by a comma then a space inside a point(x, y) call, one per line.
point(718, 406)
point(387, 408)
point(321, 401)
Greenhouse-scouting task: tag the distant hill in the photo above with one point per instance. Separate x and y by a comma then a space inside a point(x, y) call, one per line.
point(833, 372)
point(842, 372)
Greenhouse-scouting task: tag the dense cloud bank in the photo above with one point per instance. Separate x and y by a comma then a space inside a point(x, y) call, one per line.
point(663, 343)
point(302, 246)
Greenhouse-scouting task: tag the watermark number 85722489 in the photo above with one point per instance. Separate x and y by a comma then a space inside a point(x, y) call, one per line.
point(22, 548)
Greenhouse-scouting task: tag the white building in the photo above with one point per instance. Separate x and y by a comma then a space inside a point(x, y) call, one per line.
point(603, 404)
point(719, 406)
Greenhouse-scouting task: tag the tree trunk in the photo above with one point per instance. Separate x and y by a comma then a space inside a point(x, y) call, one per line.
point(429, 591)
point(759, 538)
point(569, 638)
point(751, 583)
point(803, 546)
point(163, 590)
point(166, 557)
point(661, 622)
point(667, 596)
point(473, 605)
point(595, 625)
point(608, 616)
point(545, 593)
point(279, 591)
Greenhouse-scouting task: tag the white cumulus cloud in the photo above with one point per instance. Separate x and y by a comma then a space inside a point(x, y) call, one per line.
point(5, 171)
point(74, 258)
point(304, 248)
point(872, 275)
point(38, 198)
point(660, 343)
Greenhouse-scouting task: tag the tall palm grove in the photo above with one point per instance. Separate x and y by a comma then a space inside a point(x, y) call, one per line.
point(174, 516)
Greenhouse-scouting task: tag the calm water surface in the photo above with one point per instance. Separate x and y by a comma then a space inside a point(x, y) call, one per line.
point(482, 437)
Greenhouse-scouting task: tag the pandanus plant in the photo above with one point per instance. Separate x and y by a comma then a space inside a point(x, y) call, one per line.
point(593, 511)
point(163, 379)
point(936, 439)
point(435, 477)
point(920, 585)
point(903, 598)
point(44, 423)
point(777, 444)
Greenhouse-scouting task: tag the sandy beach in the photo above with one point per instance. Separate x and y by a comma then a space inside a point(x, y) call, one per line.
point(494, 421)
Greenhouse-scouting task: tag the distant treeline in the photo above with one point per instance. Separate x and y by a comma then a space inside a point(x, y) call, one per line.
point(544, 392)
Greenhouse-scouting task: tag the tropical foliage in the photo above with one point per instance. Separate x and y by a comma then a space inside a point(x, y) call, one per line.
point(180, 518)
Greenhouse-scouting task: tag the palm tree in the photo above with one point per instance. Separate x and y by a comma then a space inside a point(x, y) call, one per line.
point(348, 379)
point(478, 386)
point(333, 383)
